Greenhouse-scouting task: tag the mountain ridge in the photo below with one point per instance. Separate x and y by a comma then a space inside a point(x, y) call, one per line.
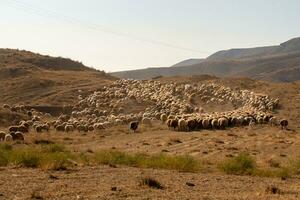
point(262, 63)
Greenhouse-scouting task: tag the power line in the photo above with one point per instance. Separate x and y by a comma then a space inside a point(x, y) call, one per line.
point(42, 12)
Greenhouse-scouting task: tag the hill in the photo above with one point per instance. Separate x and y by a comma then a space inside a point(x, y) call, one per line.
point(35, 79)
point(188, 62)
point(274, 63)
point(290, 46)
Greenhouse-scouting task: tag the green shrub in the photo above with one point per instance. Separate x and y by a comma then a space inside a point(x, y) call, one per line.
point(159, 161)
point(240, 165)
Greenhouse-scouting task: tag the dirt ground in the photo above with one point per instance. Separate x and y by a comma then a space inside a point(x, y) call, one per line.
point(262, 142)
point(211, 146)
point(124, 183)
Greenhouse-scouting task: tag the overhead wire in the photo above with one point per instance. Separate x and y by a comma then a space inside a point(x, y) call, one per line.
point(42, 12)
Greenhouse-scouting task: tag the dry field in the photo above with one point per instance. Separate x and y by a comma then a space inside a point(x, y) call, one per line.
point(267, 145)
point(270, 148)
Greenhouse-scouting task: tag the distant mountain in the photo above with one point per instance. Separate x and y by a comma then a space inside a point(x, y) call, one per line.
point(274, 63)
point(34, 79)
point(284, 48)
point(188, 62)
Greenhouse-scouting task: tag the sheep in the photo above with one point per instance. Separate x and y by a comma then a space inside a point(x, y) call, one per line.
point(157, 116)
point(39, 129)
point(173, 123)
point(8, 138)
point(134, 125)
point(91, 128)
point(98, 126)
point(223, 122)
point(191, 124)
point(260, 120)
point(18, 136)
point(23, 129)
point(163, 118)
point(69, 128)
point(60, 128)
point(82, 128)
point(273, 121)
point(170, 99)
point(206, 123)
point(182, 125)
point(46, 127)
point(2, 136)
point(13, 129)
point(214, 123)
point(171, 117)
point(284, 123)
point(199, 124)
point(5, 106)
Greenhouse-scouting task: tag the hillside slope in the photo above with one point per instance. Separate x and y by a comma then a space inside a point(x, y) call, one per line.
point(34, 79)
point(275, 63)
point(290, 46)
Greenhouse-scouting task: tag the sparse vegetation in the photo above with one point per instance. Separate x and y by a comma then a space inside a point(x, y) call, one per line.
point(160, 161)
point(240, 165)
point(151, 182)
point(273, 190)
point(244, 164)
point(52, 156)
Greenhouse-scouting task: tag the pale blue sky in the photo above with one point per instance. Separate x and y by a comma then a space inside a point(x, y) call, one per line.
point(117, 35)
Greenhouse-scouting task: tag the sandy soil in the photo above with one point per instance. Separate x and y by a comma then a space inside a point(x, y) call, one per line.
point(124, 183)
point(262, 142)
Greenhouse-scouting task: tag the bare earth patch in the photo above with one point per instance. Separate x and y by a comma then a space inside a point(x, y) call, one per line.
point(124, 183)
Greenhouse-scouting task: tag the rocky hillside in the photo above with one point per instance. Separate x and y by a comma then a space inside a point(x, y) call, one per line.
point(275, 63)
point(35, 79)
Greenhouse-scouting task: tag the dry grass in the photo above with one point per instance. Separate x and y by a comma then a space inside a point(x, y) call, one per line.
point(151, 182)
point(244, 164)
point(49, 157)
point(160, 161)
point(240, 165)
point(52, 156)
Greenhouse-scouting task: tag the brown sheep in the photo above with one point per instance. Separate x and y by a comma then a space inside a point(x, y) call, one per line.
point(82, 128)
point(191, 124)
point(39, 128)
point(91, 128)
point(206, 123)
point(182, 125)
point(134, 125)
point(284, 123)
point(23, 129)
point(2, 136)
point(60, 128)
point(174, 123)
point(13, 129)
point(46, 127)
point(18, 136)
point(223, 122)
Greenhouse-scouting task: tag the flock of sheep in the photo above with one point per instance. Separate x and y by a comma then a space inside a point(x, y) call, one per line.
point(133, 102)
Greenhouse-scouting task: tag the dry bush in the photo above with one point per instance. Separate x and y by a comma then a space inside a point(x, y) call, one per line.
point(151, 182)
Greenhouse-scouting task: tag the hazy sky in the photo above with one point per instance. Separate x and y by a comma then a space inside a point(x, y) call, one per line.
point(117, 35)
